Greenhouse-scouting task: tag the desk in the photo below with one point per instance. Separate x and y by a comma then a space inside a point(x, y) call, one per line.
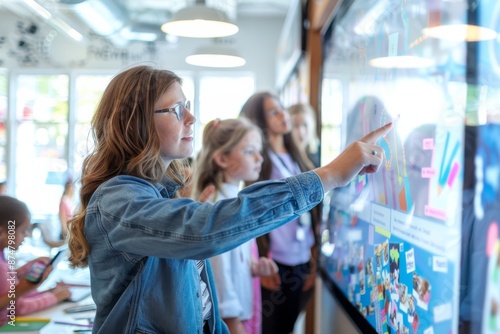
point(56, 313)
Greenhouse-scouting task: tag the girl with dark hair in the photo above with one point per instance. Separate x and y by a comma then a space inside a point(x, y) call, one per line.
point(304, 131)
point(17, 295)
point(289, 245)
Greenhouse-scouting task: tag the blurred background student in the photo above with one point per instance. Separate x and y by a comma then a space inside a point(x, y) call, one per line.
point(66, 208)
point(15, 216)
point(304, 131)
point(290, 246)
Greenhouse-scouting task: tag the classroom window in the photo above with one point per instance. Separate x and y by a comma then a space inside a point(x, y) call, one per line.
point(222, 97)
point(88, 92)
point(41, 141)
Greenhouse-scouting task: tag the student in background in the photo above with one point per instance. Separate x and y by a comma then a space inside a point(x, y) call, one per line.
point(66, 209)
point(290, 246)
point(14, 227)
point(304, 131)
point(230, 155)
point(145, 245)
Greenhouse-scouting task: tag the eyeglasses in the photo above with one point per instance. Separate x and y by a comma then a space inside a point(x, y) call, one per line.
point(178, 109)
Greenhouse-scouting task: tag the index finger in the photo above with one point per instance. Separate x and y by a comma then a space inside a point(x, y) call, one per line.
point(373, 136)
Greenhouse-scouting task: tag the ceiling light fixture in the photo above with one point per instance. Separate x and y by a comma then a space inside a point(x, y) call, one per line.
point(216, 56)
point(38, 9)
point(200, 21)
point(54, 21)
point(67, 29)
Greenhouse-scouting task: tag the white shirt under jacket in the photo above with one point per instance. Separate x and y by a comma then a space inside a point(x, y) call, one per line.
point(232, 273)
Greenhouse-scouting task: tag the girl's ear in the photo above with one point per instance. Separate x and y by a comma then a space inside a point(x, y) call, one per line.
point(220, 160)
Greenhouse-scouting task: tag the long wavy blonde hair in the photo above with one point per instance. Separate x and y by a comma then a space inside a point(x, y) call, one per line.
point(125, 143)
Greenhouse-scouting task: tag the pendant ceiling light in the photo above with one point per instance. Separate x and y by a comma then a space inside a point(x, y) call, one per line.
point(200, 21)
point(216, 56)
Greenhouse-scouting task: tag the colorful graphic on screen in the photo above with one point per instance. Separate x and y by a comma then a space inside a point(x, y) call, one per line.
point(391, 240)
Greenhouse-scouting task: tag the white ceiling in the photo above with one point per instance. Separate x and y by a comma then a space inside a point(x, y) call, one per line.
point(145, 13)
point(238, 7)
point(158, 11)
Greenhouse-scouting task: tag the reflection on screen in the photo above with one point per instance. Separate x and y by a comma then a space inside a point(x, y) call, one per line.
point(391, 240)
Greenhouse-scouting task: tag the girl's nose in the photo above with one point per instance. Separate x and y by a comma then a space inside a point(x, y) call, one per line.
point(189, 117)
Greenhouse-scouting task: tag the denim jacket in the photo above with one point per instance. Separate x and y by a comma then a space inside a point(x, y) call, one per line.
point(143, 244)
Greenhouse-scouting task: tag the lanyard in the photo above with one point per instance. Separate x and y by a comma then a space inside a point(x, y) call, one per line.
point(304, 220)
point(290, 170)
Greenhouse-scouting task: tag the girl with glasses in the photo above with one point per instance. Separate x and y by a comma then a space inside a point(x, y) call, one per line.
point(146, 246)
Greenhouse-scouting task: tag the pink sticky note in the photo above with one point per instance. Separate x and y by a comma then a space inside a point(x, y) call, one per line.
point(428, 144)
point(491, 238)
point(428, 172)
point(434, 212)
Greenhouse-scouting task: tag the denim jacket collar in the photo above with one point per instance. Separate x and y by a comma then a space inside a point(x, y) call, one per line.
point(167, 187)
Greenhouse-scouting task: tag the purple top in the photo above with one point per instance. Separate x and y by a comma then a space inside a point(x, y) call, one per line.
point(289, 245)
